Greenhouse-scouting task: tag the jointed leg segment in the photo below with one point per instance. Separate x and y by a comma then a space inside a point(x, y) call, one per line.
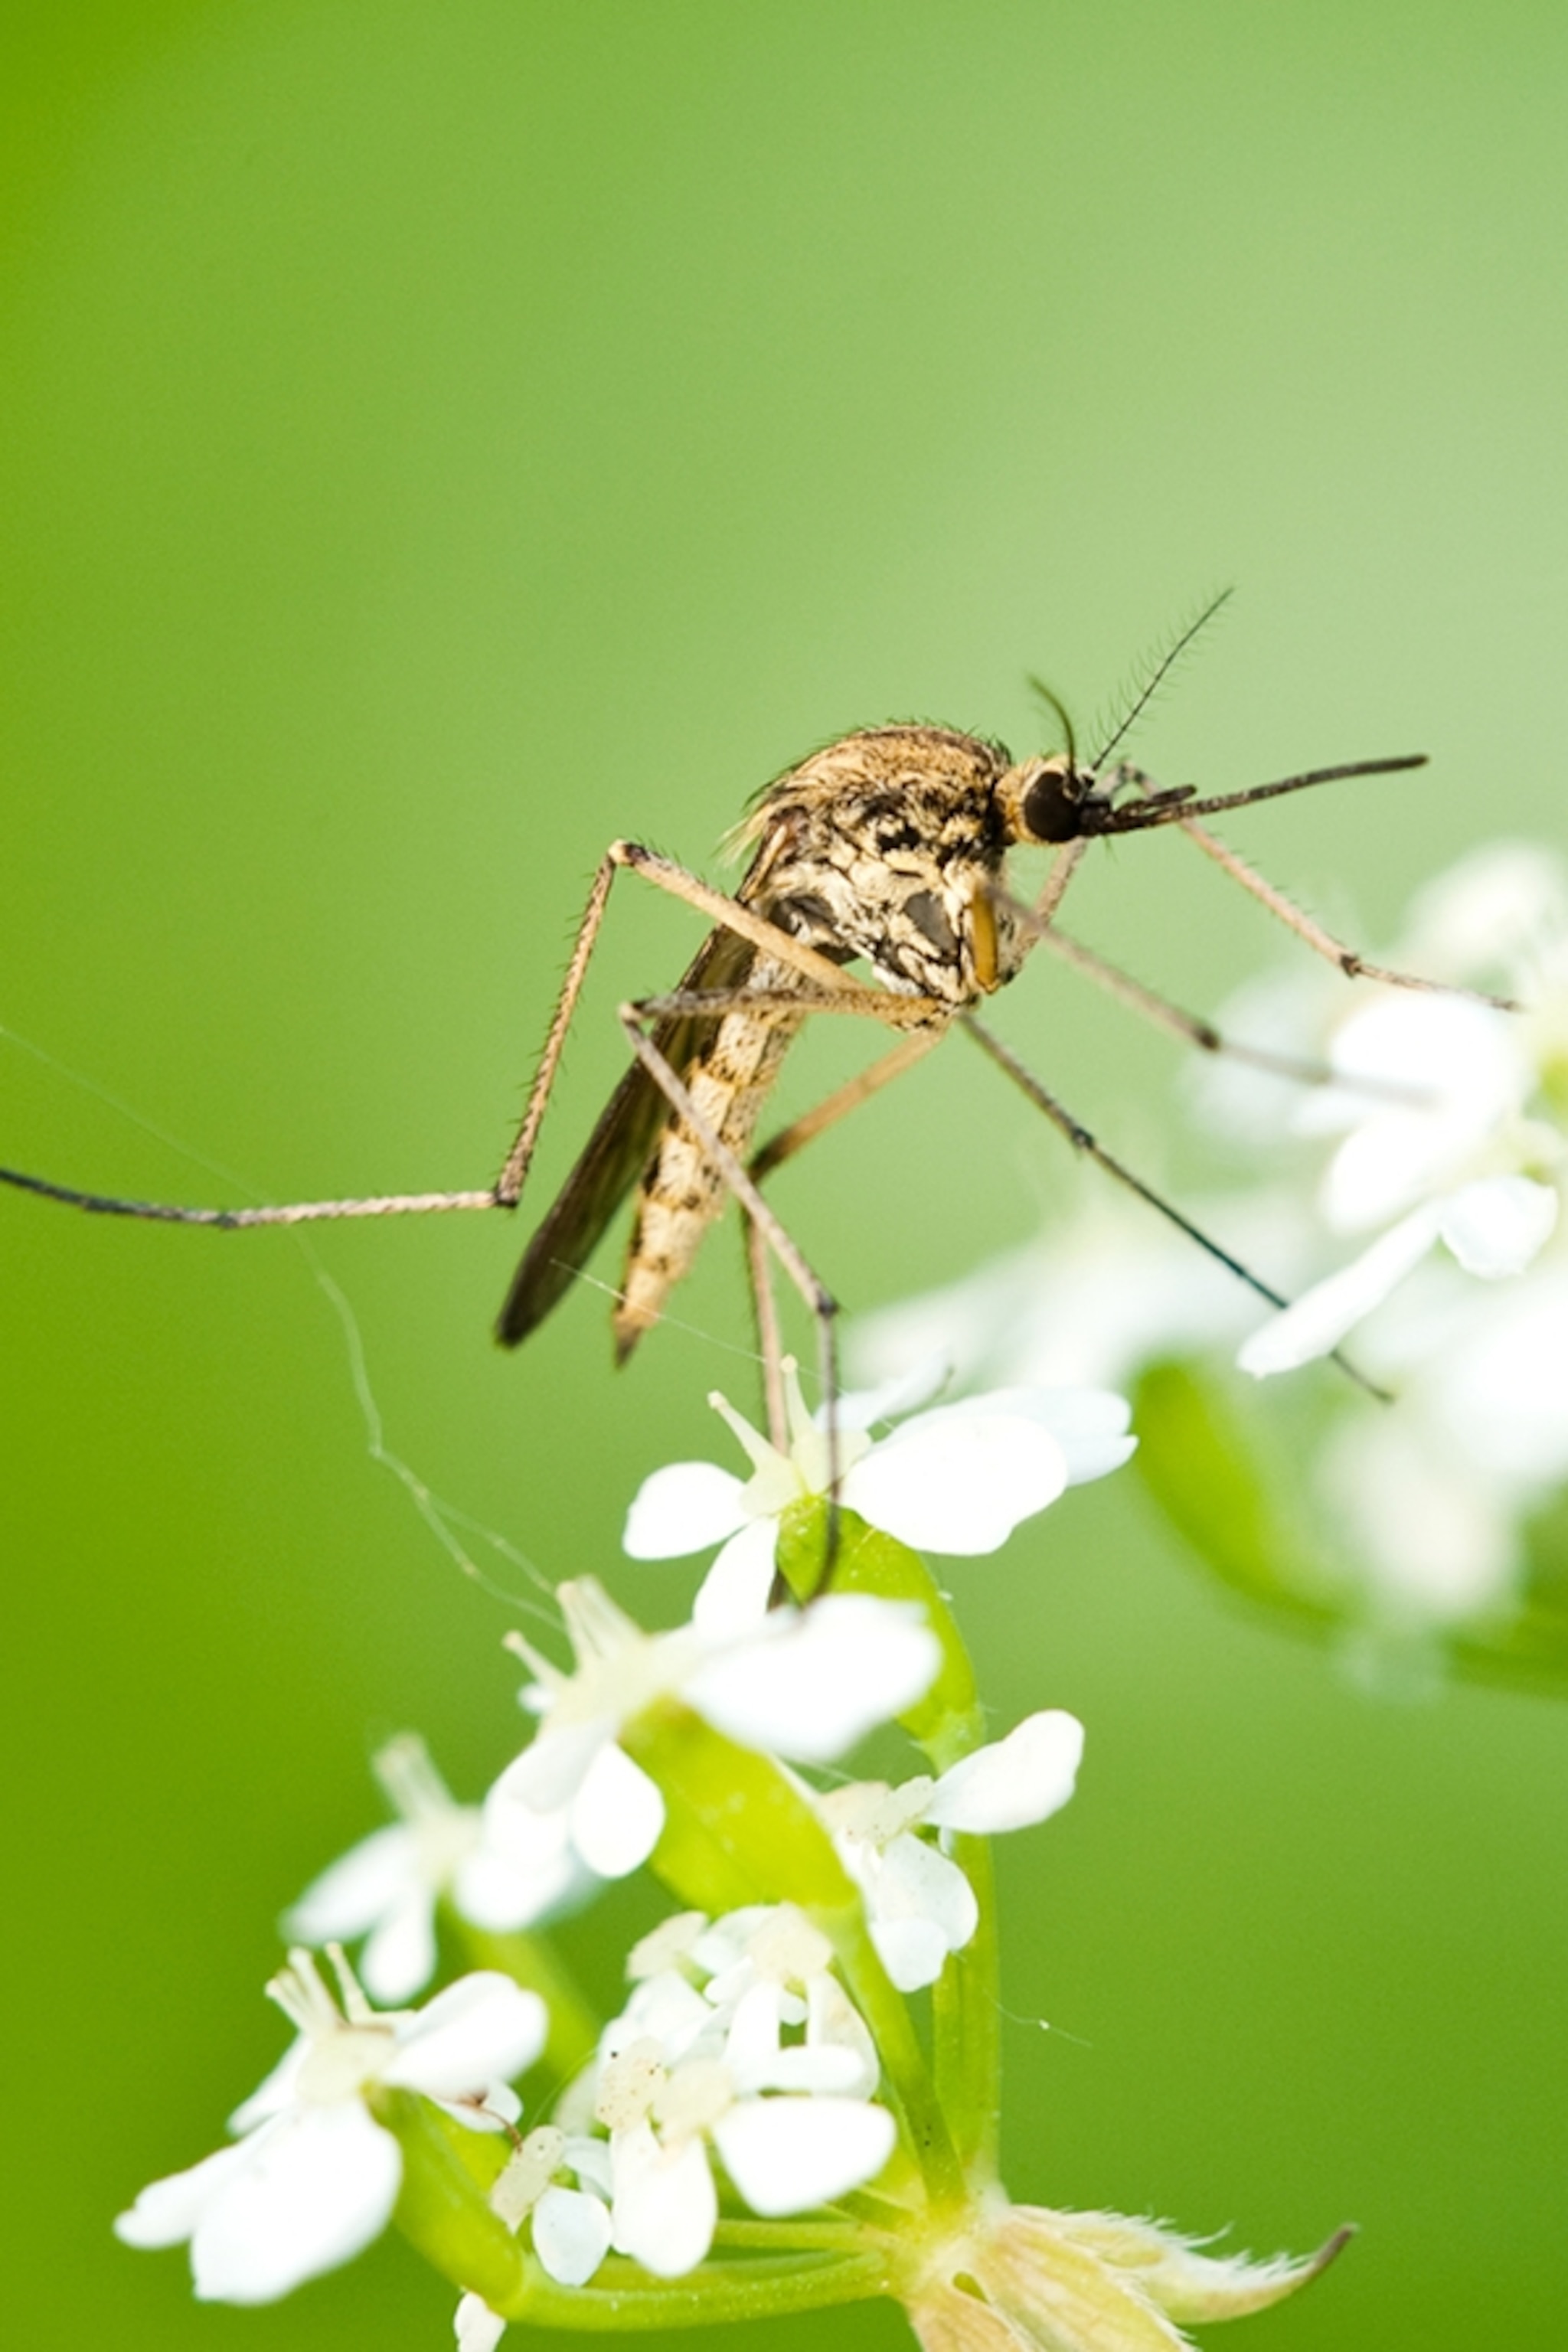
point(1080, 1137)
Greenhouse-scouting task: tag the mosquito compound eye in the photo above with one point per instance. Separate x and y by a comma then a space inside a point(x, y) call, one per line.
point(1053, 806)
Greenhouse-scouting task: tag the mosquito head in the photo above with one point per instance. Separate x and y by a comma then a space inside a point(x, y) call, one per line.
point(1050, 801)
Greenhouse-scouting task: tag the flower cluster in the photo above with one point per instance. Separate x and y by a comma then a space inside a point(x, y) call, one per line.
point(764, 2126)
point(1436, 1143)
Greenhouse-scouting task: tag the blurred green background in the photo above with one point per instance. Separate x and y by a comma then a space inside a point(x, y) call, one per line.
point(437, 438)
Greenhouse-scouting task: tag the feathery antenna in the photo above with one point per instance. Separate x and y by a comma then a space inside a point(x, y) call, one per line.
point(1162, 671)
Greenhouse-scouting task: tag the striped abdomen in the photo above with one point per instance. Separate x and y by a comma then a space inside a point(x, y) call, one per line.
point(681, 1191)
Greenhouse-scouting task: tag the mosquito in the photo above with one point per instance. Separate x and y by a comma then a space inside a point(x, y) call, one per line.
point(890, 848)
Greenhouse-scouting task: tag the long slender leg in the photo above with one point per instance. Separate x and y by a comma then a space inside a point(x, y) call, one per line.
point(819, 1300)
point(502, 1194)
point(850, 995)
point(837, 993)
point(510, 1182)
point(838, 1105)
point(1323, 942)
point(1065, 865)
point(772, 1154)
point(860, 1003)
point(770, 1344)
point(1194, 1031)
point(293, 1213)
point(1080, 1137)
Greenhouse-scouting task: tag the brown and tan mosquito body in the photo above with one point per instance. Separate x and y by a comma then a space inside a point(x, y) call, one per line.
point(890, 848)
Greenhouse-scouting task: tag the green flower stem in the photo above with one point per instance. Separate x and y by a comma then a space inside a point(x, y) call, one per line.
point(441, 2208)
point(737, 1830)
point(622, 2295)
point(812, 2237)
point(532, 1962)
point(949, 1724)
point(966, 2026)
point(887, 2013)
point(947, 1721)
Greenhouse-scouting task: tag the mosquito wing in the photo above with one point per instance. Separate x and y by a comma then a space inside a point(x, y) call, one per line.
point(617, 1151)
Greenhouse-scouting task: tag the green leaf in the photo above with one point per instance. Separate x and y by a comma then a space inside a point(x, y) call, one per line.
point(441, 2206)
point(737, 1829)
point(1200, 1466)
point(1231, 1483)
point(948, 1721)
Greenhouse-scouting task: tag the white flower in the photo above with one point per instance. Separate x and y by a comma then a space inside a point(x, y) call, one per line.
point(1437, 1110)
point(570, 2227)
point(919, 1906)
point(387, 1887)
point(806, 1684)
point(955, 1480)
point(314, 2177)
point(791, 2121)
point(1435, 1493)
point(1447, 1140)
point(1092, 1301)
point(1444, 1153)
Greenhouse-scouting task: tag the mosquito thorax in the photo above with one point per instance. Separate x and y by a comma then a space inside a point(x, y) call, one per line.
point(887, 845)
point(1047, 801)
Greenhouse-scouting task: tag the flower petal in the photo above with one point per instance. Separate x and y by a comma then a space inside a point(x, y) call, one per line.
point(501, 1890)
point(1015, 1782)
point(477, 2327)
point(1317, 1321)
point(834, 2023)
point(167, 2210)
point(821, 1678)
point(684, 1508)
point(571, 2234)
point(666, 2009)
point(550, 1769)
point(319, 2183)
point(1090, 1425)
point(618, 1815)
point(788, 2155)
point(665, 2205)
point(589, 2160)
point(958, 1482)
point(274, 2095)
point(913, 1951)
point(1464, 1062)
point(482, 2030)
point(890, 1400)
point(357, 1890)
point(399, 1959)
point(1496, 1226)
point(734, 1596)
point(752, 2042)
point(916, 1881)
point(756, 2060)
